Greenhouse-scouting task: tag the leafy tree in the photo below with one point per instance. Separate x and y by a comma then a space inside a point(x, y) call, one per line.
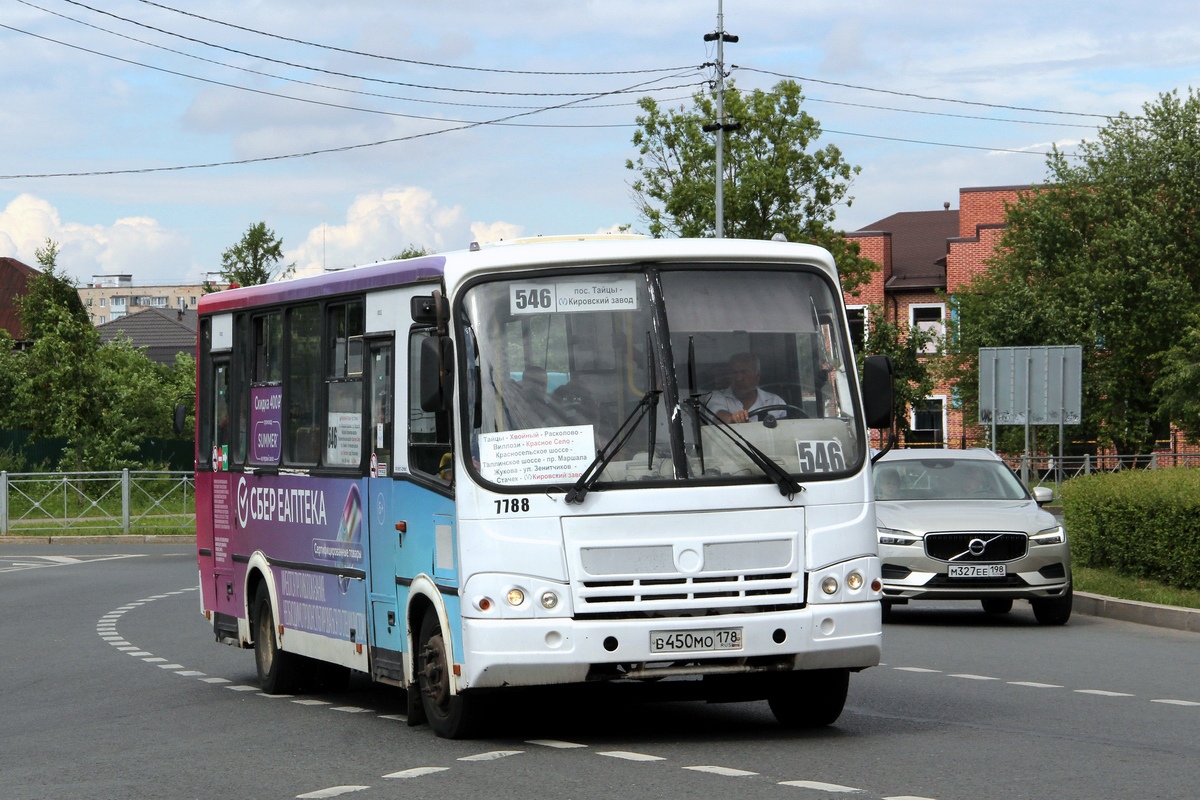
point(774, 181)
point(254, 259)
point(412, 251)
point(914, 370)
point(47, 293)
point(1105, 256)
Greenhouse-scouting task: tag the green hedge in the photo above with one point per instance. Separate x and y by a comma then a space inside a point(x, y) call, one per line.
point(1144, 523)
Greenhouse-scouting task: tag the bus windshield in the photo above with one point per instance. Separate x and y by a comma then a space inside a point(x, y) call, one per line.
point(666, 374)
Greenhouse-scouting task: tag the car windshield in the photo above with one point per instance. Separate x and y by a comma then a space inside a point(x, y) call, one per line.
point(559, 363)
point(946, 479)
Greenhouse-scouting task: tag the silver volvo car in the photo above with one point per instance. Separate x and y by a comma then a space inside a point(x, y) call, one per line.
point(959, 525)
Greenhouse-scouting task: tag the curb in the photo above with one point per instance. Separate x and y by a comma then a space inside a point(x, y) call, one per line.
point(1175, 617)
point(98, 539)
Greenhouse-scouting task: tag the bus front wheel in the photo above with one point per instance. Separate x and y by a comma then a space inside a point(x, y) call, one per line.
point(810, 699)
point(452, 716)
point(277, 670)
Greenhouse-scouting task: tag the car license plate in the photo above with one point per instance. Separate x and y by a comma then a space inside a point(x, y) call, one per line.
point(706, 639)
point(978, 571)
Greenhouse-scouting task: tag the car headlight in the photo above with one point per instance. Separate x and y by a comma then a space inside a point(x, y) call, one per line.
point(1055, 535)
point(895, 537)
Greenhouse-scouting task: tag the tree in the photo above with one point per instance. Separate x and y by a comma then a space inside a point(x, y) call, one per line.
point(412, 251)
point(1107, 256)
point(252, 261)
point(773, 182)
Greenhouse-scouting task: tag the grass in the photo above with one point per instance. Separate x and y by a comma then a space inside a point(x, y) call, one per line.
point(1114, 584)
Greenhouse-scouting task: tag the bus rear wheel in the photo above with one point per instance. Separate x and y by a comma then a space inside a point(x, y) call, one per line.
point(452, 716)
point(277, 671)
point(810, 699)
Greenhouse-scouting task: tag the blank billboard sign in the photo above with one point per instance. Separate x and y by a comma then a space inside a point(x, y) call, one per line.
point(1030, 385)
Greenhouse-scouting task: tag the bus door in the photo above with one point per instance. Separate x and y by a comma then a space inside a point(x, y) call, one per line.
point(386, 616)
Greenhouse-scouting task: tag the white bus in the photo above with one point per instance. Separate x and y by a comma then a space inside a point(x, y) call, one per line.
point(511, 466)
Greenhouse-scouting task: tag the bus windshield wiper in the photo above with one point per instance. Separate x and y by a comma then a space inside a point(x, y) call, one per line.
point(610, 449)
point(788, 487)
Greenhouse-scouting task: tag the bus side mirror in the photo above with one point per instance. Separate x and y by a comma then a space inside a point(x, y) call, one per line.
point(437, 373)
point(180, 417)
point(877, 391)
point(430, 310)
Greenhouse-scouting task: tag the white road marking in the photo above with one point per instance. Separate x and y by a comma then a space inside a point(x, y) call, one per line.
point(909, 797)
point(728, 772)
point(241, 688)
point(313, 702)
point(416, 772)
point(916, 669)
point(154, 660)
point(170, 666)
point(350, 709)
point(117, 642)
point(140, 653)
point(333, 791)
point(492, 755)
point(821, 787)
point(1176, 702)
point(1103, 693)
point(1035, 684)
point(554, 743)
point(190, 673)
point(127, 649)
point(61, 559)
point(968, 676)
point(275, 696)
point(628, 756)
point(213, 680)
point(396, 717)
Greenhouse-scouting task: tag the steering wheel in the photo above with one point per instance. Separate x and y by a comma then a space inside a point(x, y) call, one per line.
point(763, 413)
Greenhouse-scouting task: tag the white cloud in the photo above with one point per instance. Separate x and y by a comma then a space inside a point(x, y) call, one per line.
point(380, 224)
point(139, 246)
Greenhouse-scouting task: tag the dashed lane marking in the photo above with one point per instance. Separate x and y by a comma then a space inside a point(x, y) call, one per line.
point(492, 755)
point(555, 743)
point(628, 756)
point(1176, 702)
point(242, 688)
point(333, 791)
point(1103, 693)
point(1035, 684)
point(346, 709)
point(415, 772)
point(310, 702)
point(821, 787)
point(916, 669)
point(969, 677)
point(728, 772)
point(216, 680)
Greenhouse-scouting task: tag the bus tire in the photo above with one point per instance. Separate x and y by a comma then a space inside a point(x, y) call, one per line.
point(277, 671)
point(810, 699)
point(452, 716)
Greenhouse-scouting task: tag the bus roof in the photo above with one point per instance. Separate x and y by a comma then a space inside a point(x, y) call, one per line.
point(458, 266)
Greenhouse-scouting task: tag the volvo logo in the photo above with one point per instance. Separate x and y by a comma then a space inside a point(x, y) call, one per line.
point(977, 546)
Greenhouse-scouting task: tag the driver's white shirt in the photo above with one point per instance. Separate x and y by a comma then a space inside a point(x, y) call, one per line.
point(724, 400)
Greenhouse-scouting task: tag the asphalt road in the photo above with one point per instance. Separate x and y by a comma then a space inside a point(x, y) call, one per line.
point(113, 688)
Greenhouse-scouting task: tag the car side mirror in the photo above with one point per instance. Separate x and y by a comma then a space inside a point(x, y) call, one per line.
point(1042, 495)
point(877, 389)
point(437, 373)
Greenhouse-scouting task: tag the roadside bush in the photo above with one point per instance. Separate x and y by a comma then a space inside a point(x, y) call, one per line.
point(1145, 524)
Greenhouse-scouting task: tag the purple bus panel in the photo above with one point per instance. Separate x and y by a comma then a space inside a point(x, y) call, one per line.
point(266, 424)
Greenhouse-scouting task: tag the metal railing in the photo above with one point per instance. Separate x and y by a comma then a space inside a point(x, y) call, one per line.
point(1051, 471)
point(53, 503)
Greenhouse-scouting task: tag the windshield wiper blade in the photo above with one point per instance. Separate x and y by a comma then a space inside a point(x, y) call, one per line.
point(788, 487)
point(610, 449)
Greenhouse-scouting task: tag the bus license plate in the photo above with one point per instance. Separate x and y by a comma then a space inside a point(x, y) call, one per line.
point(978, 571)
point(708, 639)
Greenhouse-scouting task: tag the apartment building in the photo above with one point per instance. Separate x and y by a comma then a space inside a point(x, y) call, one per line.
point(111, 297)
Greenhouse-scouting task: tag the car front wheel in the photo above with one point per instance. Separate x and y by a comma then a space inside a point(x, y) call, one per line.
point(1053, 610)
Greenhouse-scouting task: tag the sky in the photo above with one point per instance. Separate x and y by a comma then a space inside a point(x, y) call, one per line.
point(119, 119)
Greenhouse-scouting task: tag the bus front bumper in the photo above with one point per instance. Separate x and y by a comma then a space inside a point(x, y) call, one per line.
point(532, 652)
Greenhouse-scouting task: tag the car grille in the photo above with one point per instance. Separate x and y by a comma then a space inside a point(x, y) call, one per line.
point(957, 546)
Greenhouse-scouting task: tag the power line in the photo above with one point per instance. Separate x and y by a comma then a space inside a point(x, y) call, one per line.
point(917, 96)
point(297, 80)
point(308, 153)
point(360, 109)
point(943, 144)
point(322, 70)
point(404, 60)
point(949, 115)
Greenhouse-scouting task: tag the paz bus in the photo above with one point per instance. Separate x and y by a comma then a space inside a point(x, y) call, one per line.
point(501, 467)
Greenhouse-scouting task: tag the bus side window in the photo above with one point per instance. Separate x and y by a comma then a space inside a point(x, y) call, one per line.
point(303, 342)
point(429, 450)
point(343, 386)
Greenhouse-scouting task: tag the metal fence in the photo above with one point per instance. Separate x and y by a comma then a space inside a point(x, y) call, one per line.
point(56, 503)
point(1052, 471)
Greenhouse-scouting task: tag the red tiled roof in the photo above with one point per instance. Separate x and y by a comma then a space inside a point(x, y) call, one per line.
point(14, 283)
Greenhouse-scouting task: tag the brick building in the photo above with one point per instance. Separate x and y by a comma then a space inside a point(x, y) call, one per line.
point(14, 283)
point(925, 257)
point(110, 297)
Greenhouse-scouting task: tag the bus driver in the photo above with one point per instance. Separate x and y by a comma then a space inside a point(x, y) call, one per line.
point(743, 396)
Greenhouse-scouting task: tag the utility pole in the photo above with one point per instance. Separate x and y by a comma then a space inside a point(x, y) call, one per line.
point(720, 126)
